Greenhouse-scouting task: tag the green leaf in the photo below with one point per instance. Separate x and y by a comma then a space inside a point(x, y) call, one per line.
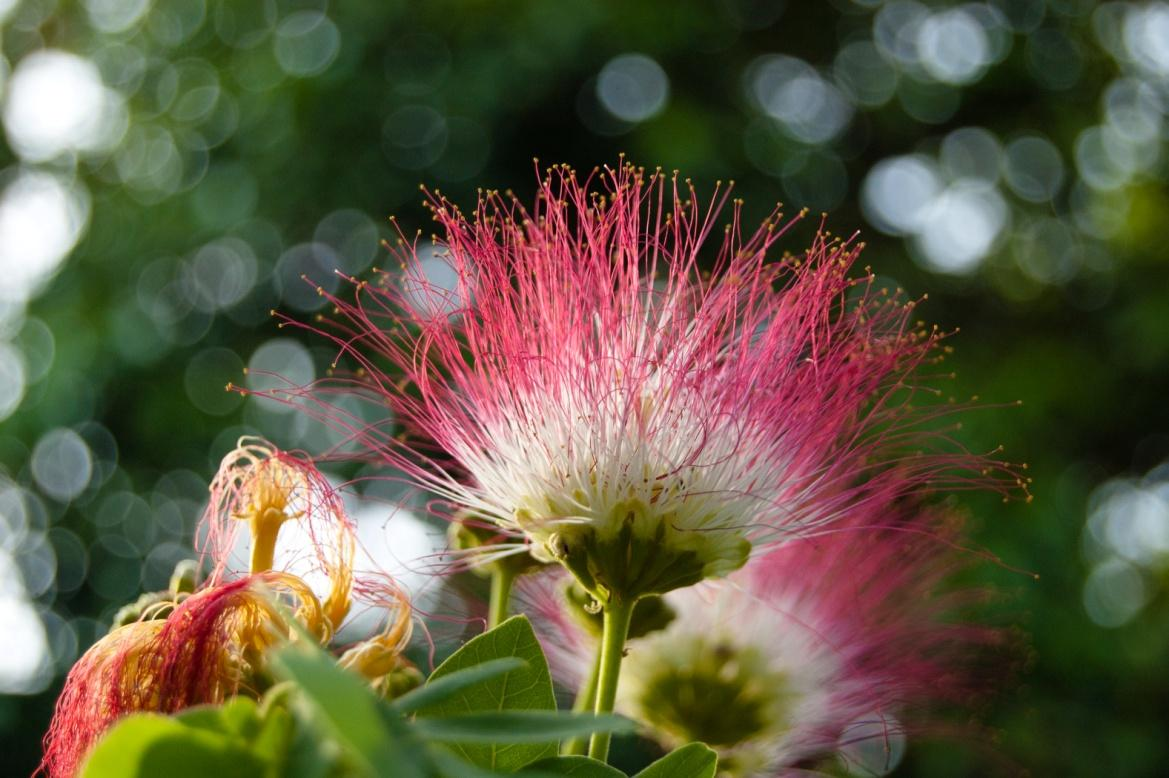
point(447, 686)
point(274, 738)
point(267, 732)
point(205, 717)
point(579, 766)
point(518, 726)
point(351, 713)
point(310, 755)
point(527, 688)
point(239, 716)
point(147, 745)
point(694, 760)
point(449, 765)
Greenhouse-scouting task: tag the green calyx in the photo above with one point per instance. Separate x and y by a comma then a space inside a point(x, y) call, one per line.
point(705, 689)
point(185, 577)
point(638, 552)
point(650, 614)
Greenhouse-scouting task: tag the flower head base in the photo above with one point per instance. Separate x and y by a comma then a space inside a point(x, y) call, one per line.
point(642, 421)
point(641, 554)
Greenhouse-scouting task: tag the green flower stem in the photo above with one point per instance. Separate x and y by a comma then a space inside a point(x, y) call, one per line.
point(586, 700)
point(618, 614)
point(501, 580)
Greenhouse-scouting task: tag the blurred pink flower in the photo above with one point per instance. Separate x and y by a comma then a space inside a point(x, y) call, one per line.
point(837, 644)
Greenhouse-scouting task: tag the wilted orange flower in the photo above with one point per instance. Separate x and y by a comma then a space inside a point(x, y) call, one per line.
point(212, 645)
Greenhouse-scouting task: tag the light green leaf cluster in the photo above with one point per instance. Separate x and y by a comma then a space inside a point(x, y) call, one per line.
point(489, 709)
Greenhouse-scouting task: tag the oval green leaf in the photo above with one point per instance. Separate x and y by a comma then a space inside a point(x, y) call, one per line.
point(518, 726)
point(694, 760)
point(528, 688)
point(576, 766)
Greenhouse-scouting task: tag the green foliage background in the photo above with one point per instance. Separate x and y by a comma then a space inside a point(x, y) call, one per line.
point(310, 107)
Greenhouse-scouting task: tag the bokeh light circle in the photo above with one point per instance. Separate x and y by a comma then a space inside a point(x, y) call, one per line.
point(207, 376)
point(25, 666)
point(898, 192)
point(1033, 168)
point(953, 47)
point(57, 103)
point(61, 464)
point(42, 216)
point(306, 43)
point(279, 365)
point(633, 87)
point(12, 379)
point(303, 271)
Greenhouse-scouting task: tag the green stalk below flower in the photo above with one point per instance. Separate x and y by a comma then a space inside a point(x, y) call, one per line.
point(502, 577)
point(618, 614)
point(586, 700)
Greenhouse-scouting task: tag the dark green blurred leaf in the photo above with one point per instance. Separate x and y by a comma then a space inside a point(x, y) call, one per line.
point(450, 766)
point(274, 739)
point(312, 756)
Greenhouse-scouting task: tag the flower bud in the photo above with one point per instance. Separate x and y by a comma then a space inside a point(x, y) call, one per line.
point(650, 614)
point(488, 548)
point(185, 577)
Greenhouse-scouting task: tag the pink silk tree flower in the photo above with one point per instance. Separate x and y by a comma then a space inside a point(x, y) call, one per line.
point(833, 645)
point(571, 374)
